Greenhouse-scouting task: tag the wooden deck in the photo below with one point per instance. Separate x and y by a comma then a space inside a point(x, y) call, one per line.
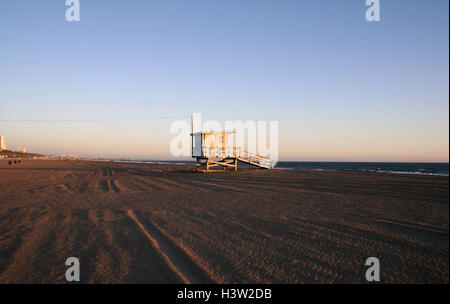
point(215, 159)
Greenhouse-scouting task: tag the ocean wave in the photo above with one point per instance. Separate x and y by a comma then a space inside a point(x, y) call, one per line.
point(411, 172)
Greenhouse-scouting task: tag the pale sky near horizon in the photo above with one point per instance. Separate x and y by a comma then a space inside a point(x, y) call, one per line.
point(341, 88)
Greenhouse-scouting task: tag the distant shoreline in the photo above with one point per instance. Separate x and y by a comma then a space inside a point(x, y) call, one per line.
point(397, 168)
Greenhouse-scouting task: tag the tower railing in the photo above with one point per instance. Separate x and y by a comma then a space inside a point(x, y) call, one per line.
point(240, 154)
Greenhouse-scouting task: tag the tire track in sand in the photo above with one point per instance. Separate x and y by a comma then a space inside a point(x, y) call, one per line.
point(114, 186)
point(109, 185)
point(180, 263)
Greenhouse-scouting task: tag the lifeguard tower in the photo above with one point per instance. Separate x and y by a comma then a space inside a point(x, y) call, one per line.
point(216, 150)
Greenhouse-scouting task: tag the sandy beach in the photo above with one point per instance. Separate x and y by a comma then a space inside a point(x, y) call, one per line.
point(148, 223)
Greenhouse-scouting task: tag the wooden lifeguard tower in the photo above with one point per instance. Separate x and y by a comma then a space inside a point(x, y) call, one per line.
point(216, 150)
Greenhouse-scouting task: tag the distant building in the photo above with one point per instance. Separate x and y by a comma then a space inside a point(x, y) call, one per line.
point(2, 143)
point(22, 150)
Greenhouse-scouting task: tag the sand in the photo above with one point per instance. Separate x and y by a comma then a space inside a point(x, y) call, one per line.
point(148, 223)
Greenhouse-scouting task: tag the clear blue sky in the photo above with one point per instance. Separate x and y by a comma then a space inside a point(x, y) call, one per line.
point(341, 88)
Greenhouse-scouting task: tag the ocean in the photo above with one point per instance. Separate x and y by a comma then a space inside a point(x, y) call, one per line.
point(440, 169)
point(376, 167)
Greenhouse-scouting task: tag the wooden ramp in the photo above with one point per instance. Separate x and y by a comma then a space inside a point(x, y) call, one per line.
point(215, 163)
point(256, 160)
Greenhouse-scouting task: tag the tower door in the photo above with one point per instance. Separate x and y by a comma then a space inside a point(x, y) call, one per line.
point(197, 145)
